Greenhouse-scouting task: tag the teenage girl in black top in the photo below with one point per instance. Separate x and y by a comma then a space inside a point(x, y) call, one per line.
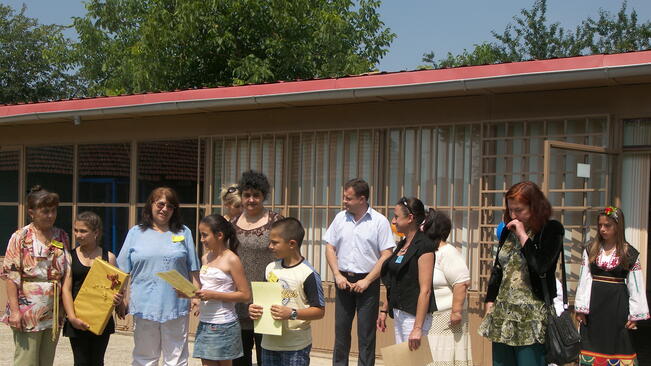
point(88, 349)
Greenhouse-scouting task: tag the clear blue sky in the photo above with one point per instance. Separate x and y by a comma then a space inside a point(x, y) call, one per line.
point(421, 25)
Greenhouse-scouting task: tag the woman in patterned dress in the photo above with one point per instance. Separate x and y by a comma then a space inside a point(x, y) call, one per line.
point(516, 314)
point(252, 228)
point(611, 297)
point(34, 267)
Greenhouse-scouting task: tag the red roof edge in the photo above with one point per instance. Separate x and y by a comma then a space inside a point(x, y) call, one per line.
point(373, 80)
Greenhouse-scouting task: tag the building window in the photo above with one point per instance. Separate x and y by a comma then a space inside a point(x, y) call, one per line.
point(9, 195)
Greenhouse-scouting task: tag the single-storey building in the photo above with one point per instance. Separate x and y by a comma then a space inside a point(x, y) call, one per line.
point(457, 138)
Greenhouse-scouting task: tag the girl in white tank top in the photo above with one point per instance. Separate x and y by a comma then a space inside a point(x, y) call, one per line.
point(223, 283)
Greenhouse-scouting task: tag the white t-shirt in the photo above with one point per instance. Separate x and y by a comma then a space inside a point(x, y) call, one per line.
point(358, 244)
point(449, 270)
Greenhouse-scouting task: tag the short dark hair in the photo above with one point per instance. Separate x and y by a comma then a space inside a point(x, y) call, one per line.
point(290, 228)
point(254, 180)
point(360, 187)
point(147, 220)
point(437, 226)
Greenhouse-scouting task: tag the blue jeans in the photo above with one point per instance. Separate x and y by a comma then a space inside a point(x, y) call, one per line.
point(286, 358)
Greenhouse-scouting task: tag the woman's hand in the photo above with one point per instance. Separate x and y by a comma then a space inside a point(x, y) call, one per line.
point(381, 322)
point(414, 338)
point(631, 325)
point(517, 227)
point(581, 318)
point(455, 318)
point(255, 311)
point(488, 307)
point(15, 320)
point(78, 323)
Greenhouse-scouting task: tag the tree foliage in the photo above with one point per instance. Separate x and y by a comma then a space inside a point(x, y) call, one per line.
point(35, 60)
point(532, 36)
point(137, 46)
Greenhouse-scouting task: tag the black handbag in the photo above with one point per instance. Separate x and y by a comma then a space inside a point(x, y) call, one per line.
point(495, 279)
point(562, 341)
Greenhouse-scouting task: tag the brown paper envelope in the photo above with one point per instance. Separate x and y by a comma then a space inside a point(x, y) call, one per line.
point(400, 355)
point(94, 302)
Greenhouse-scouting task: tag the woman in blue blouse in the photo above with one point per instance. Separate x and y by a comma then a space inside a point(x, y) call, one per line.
point(159, 243)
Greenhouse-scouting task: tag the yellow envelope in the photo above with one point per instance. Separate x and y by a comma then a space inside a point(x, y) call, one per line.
point(266, 294)
point(94, 302)
point(179, 282)
point(400, 355)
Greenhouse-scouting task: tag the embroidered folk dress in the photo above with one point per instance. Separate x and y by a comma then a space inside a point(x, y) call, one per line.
point(36, 268)
point(518, 317)
point(610, 295)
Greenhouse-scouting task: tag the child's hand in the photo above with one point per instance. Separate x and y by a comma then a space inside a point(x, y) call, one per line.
point(117, 298)
point(195, 306)
point(78, 323)
point(280, 312)
point(205, 295)
point(631, 325)
point(255, 311)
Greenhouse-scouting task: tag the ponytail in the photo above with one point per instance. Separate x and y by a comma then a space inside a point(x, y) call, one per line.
point(218, 224)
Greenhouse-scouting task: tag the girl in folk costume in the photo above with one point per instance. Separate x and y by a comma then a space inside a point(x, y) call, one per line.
point(611, 297)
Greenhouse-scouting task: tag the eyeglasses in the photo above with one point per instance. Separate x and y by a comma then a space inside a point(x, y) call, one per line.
point(232, 189)
point(161, 205)
point(405, 202)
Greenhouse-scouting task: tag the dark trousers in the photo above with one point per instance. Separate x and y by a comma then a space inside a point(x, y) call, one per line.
point(366, 306)
point(248, 339)
point(88, 350)
point(505, 355)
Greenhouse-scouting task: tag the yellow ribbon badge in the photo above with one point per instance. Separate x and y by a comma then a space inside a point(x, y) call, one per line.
point(57, 244)
point(177, 238)
point(272, 277)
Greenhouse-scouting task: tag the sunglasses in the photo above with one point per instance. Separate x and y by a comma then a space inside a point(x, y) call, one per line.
point(232, 189)
point(404, 201)
point(161, 205)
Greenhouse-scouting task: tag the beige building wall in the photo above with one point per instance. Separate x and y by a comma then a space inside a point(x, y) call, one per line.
point(615, 102)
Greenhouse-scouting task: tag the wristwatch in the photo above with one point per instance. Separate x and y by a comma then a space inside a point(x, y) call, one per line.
point(293, 315)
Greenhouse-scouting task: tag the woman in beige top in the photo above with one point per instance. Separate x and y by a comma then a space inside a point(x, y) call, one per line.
point(448, 337)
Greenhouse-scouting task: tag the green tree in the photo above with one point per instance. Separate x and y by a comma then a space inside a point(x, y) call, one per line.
point(137, 46)
point(531, 36)
point(34, 60)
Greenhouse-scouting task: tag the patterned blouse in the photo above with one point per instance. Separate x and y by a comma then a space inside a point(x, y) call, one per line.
point(518, 317)
point(36, 268)
point(255, 255)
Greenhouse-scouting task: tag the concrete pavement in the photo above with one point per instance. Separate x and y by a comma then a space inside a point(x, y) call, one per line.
point(118, 352)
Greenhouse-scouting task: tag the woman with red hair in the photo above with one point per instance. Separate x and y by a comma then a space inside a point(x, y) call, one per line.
point(527, 255)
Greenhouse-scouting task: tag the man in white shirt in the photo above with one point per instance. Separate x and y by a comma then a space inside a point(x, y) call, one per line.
point(358, 241)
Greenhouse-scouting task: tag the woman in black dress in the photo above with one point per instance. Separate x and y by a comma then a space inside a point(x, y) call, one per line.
point(610, 298)
point(87, 348)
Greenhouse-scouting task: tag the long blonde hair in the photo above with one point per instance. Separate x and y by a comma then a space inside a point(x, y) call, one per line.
point(616, 216)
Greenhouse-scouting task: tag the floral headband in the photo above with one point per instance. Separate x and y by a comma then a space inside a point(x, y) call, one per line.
point(611, 212)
